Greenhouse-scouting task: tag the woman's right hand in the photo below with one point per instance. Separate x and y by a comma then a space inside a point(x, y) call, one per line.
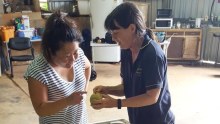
point(75, 98)
point(101, 89)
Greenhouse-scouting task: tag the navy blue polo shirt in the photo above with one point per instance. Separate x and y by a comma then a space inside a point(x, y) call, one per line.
point(149, 71)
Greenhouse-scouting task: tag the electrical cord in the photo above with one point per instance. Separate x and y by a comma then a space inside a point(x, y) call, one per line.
point(211, 11)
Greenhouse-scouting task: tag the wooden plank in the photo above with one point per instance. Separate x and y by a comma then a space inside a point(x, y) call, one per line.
point(175, 49)
point(190, 48)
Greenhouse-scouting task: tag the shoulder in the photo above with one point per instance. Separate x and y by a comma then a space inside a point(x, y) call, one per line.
point(38, 63)
point(81, 57)
point(153, 49)
point(81, 53)
point(37, 69)
point(154, 54)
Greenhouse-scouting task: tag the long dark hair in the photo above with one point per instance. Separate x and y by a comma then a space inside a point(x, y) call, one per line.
point(59, 29)
point(125, 14)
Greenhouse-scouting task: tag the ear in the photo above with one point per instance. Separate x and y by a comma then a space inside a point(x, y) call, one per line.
point(132, 28)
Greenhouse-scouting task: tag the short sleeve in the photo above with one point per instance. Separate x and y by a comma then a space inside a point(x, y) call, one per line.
point(154, 69)
point(81, 58)
point(37, 70)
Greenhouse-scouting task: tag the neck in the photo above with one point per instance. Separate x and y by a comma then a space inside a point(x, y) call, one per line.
point(137, 43)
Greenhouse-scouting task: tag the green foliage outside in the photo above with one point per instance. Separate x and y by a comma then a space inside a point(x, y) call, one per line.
point(44, 6)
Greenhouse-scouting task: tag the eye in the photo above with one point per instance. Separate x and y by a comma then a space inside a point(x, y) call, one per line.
point(76, 52)
point(67, 55)
point(115, 31)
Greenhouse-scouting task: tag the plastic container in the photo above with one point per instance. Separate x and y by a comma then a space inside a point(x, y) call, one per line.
point(83, 6)
point(26, 22)
point(7, 32)
point(27, 32)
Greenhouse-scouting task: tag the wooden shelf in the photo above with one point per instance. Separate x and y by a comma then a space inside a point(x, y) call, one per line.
point(185, 43)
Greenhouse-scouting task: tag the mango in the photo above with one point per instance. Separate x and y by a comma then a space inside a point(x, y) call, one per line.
point(95, 96)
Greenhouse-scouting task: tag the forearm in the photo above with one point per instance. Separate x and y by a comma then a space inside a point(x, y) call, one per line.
point(116, 90)
point(49, 108)
point(145, 99)
point(138, 101)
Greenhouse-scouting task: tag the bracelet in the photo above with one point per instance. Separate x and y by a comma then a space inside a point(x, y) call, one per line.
point(119, 103)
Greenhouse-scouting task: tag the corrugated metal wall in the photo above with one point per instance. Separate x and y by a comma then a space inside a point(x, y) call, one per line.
point(152, 13)
point(211, 45)
point(193, 8)
point(182, 8)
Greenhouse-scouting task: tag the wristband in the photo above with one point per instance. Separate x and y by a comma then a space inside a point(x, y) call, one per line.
point(119, 103)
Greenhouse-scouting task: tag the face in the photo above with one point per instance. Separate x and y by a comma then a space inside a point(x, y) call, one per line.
point(67, 55)
point(123, 36)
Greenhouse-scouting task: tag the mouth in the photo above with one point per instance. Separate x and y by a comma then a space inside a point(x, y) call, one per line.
point(69, 64)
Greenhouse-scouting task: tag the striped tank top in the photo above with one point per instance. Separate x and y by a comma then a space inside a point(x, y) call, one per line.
point(58, 88)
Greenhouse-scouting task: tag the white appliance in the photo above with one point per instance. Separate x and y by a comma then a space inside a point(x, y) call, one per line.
point(99, 10)
point(163, 23)
point(83, 6)
point(105, 52)
point(198, 22)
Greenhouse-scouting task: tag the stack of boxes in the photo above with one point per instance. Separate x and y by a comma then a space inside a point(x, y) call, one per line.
point(26, 30)
point(22, 27)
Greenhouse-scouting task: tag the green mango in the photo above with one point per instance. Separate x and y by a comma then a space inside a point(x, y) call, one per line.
point(95, 96)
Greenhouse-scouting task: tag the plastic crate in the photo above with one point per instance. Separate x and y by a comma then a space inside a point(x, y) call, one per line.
point(7, 32)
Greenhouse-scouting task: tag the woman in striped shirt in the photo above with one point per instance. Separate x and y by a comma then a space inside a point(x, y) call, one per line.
point(59, 76)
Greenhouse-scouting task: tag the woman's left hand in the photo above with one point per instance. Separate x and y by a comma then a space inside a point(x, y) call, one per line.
point(105, 102)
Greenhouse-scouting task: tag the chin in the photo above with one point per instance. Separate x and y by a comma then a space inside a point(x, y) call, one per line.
point(69, 66)
point(123, 47)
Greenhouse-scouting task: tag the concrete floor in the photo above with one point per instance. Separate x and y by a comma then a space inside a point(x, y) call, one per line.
point(194, 91)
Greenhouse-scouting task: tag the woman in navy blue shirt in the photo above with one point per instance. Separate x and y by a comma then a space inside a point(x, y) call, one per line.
point(143, 70)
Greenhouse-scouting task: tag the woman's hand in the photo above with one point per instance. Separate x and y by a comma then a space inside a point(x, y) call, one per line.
point(75, 98)
point(105, 102)
point(101, 89)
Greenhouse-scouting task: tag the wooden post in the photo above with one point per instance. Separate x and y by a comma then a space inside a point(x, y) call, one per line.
point(36, 5)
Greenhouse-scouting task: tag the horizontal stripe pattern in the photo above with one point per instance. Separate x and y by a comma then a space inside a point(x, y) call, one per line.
point(58, 88)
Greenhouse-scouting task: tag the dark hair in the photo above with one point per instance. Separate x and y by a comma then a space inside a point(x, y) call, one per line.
point(59, 29)
point(125, 14)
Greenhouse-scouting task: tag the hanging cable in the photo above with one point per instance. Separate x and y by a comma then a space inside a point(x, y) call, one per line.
point(211, 10)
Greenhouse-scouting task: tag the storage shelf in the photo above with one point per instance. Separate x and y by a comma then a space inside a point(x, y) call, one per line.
point(185, 43)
